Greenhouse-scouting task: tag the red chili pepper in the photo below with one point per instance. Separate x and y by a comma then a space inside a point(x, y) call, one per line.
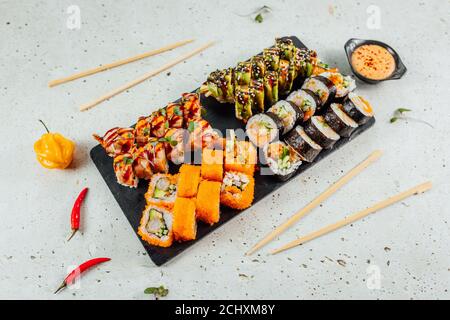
point(79, 270)
point(75, 216)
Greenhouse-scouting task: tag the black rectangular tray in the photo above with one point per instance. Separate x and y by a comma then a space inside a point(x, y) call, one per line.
point(220, 116)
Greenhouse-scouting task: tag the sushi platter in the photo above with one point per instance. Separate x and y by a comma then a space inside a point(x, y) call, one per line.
point(294, 110)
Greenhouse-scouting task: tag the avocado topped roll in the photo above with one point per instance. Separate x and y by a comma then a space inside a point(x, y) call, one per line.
point(258, 67)
point(156, 226)
point(358, 108)
point(344, 84)
point(283, 76)
point(257, 89)
point(303, 144)
point(288, 112)
point(272, 59)
point(339, 121)
point(271, 87)
point(243, 73)
point(323, 88)
point(321, 132)
point(305, 62)
point(244, 102)
point(306, 100)
point(281, 159)
point(263, 128)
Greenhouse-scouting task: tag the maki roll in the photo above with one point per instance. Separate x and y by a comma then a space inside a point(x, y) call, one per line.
point(257, 90)
point(162, 190)
point(258, 67)
point(141, 164)
point(344, 84)
point(322, 87)
point(271, 58)
point(156, 154)
point(192, 109)
point(281, 159)
point(263, 128)
point(305, 62)
point(188, 180)
point(271, 87)
point(237, 190)
point(142, 131)
point(123, 168)
point(303, 144)
point(339, 121)
point(116, 141)
point(358, 108)
point(240, 156)
point(243, 73)
point(244, 102)
point(283, 77)
point(174, 114)
point(158, 124)
point(174, 144)
point(306, 100)
point(201, 134)
point(288, 112)
point(156, 226)
point(184, 222)
point(318, 130)
point(208, 201)
point(212, 164)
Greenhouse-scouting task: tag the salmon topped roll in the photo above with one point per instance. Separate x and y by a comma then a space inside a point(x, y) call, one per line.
point(141, 165)
point(240, 156)
point(156, 154)
point(158, 123)
point(237, 190)
point(117, 141)
point(184, 223)
point(162, 190)
point(192, 109)
point(123, 168)
point(142, 131)
point(189, 178)
point(174, 115)
point(156, 226)
point(208, 201)
point(212, 164)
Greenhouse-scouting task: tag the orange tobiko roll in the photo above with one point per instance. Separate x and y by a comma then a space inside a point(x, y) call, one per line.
point(208, 201)
point(189, 179)
point(184, 223)
point(212, 164)
point(156, 226)
point(237, 190)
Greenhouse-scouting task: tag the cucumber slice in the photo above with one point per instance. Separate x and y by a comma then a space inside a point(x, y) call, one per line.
point(159, 194)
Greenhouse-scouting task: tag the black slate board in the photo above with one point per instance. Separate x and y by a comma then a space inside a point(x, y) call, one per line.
point(221, 117)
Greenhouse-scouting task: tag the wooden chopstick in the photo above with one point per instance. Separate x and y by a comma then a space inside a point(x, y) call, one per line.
point(354, 217)
point(118, 63)
point(322, 197)
point(144, 77)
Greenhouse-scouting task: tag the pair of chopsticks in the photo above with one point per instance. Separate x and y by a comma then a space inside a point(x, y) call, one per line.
point(142, 78)
point(341, 223)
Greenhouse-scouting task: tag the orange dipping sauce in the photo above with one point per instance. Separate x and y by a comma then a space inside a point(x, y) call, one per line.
point(373, 61)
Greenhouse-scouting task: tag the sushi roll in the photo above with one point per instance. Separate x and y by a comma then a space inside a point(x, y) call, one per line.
point(303, 144)
point(339, 121)
point(244, 102)
point(257, 89)
point(258, 67)
point(158, 124)
point(201, 134)
point(243, 73)
point(117, 141)
point(142, 131)
point(240, 156)
point(323, 88)
point(174, 144)
point(306, 100)
point(208, 201)
point(344, 84)
point(162, 190)
point(174, 115)
point(156, 154)
point(264, 128)
point(237, 190)
point(288, 112)
point(184, 219)
point(281, 159)
point(156, 226)
point(283, 77)
point(192, 109)
point(141, 164)
point(271, 58)
point(358, 108)
point(188, 180)
point(123, 168)
point(270, 87)
point(212, 164)
point(318, 130)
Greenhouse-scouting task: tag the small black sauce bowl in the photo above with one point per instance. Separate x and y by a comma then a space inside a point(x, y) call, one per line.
point(352, 44)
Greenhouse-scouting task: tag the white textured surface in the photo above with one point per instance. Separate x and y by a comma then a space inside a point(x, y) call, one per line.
point(36, 46)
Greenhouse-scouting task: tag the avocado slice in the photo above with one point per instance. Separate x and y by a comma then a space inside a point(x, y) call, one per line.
point(159, 194)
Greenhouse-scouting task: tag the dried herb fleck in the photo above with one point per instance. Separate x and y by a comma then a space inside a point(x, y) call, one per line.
point(158, 292)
